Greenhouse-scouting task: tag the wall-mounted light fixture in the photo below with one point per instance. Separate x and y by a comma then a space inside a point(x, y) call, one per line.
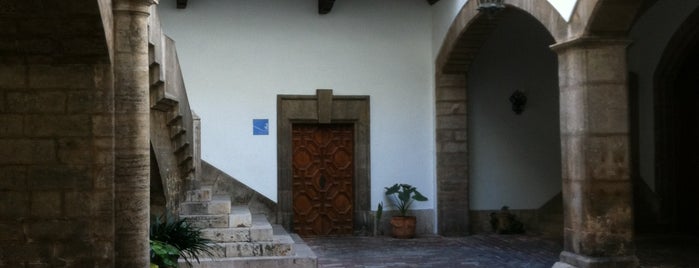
point(518, 100)
point(491, 6)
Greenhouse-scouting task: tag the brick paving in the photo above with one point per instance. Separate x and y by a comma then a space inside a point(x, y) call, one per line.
point(435, 251)
point(482, 251)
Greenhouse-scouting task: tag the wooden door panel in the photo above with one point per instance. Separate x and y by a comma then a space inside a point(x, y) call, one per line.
point(323, 173)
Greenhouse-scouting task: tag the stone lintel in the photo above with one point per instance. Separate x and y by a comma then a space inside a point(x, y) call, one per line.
point(570, 260)
point(325, 105)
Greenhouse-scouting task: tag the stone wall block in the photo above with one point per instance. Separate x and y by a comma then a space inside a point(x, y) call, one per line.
point(451, 94)
point(13, 178)
point(453, 173)
point(132, 213)
point(572, 111)
point(461, 135)
point(451, 159)
point(607, 158)
point(450, 108)
point(54, 229)
point(131, 138)
point(59, 177)
point(12, 76)
point(10, 230)
point(571, 73)
point(13, 205)
point(103, 125)
point(2, 102)
point(103, 149)
point(455, 80)
point(451, 122)
point(608, 108)
point(89, 101)
point(46, 204)
point(57, 125)
point(20, 251)
point(444, 135)
point(36, 102)
point(77, 204)
point(573, 158)
point(11, 125)
point(606, 64)
point(27, 151)
point(574, 194)
point(76, 253)
point(453, 147)
point(103, 175)
point(60, 76)
point(74, 151)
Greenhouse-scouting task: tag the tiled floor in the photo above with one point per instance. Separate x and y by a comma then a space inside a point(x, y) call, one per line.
point(482, 251)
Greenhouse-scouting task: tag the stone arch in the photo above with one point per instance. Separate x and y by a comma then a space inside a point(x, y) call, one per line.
point(462, 44)
point(472, 28)
point(607, 18)
point(680, 50)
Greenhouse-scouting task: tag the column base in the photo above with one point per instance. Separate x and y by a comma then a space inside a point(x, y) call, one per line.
point(572, 260)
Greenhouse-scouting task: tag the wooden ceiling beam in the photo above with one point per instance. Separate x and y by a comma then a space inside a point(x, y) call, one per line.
point(324, 6)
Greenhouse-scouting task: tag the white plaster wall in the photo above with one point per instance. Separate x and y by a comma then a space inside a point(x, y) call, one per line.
point(514, 160)
point(650, 36)
point(236, 56)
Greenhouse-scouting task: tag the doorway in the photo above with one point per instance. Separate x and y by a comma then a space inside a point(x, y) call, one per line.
point(323, 176)
point(318, 116)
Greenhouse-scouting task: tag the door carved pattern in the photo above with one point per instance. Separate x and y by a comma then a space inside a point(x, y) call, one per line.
point(323, 174)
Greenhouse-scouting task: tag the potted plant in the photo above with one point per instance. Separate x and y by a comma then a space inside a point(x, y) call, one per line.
point(402, 196)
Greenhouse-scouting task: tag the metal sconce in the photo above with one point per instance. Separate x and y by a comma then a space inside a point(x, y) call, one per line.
point(518, 100)
point(491, 6)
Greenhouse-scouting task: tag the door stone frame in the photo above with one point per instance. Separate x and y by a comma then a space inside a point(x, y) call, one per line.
point(323, 108)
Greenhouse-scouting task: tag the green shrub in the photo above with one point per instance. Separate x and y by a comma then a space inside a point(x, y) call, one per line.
point(171, 239)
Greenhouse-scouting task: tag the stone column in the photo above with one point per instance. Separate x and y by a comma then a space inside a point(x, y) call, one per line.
point(452, 155)
point(132, 132)
point(597, 192)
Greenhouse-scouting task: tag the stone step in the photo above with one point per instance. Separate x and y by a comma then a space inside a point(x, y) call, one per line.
point(239, 217)
point(212, 207)
point(301, 257)
point(281, 245)
point(260, 231)
point(204, 193)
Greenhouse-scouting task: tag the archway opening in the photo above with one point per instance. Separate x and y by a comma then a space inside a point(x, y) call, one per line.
point(677, 129)
point(514, 152)
point(490, 154)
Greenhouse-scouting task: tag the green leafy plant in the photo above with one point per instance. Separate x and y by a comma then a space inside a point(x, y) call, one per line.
point(163, 254)
point(168, 234)
point(402, 196)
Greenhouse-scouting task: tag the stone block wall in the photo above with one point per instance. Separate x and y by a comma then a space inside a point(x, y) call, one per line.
point(56, 165)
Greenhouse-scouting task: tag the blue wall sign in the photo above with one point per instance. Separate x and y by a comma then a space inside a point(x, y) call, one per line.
point(260, 127)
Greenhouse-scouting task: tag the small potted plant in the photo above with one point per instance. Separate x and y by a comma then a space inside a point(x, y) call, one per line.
point(402, 197)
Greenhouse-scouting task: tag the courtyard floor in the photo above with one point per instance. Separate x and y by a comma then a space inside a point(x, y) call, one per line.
point(482, 251)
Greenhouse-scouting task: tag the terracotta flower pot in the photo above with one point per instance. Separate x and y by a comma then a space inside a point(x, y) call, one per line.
point(403, 226)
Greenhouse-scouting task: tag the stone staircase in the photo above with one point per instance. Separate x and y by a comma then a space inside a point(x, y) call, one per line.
point(243, 239)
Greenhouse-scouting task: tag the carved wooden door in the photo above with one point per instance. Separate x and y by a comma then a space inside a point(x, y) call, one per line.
point(323, 174)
